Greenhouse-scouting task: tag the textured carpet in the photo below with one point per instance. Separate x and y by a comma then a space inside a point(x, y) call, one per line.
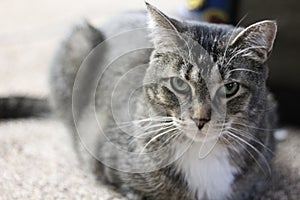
point(37, 162)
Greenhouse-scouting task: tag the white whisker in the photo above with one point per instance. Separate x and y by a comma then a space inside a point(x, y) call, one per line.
point(174, 136)
point(250, 137)
point(252, 127)
point(157, 136)
point(252, 147)
point(162, 127)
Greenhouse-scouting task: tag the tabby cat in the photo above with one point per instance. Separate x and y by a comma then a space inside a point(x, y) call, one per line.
point(179, 110)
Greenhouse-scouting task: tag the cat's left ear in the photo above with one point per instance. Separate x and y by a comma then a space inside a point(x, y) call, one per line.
point(257, 40)
point(164, 30)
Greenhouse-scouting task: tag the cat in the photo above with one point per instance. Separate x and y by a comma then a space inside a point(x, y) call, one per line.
point(237, 164)
point(177, 111)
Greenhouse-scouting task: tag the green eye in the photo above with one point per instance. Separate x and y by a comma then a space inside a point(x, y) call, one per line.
point(231, 89)
point(179, 85)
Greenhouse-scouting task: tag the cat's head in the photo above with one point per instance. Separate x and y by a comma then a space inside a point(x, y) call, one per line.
point(205, 77)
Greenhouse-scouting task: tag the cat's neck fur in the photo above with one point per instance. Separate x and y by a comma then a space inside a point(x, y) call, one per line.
point(210, 177)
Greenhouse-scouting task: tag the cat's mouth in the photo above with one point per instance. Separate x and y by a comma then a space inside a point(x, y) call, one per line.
point(205, 134)
point(199, 132)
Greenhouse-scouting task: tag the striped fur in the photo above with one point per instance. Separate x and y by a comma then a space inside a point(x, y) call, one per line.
point(205, 57)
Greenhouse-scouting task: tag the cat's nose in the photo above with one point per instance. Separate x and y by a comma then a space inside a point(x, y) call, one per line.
point(200, 122)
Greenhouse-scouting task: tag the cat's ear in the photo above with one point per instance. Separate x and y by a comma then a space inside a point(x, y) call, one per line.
point(164, 30)
point(256, 41)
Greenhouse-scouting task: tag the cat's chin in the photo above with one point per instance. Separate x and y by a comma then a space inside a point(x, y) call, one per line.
point(201, 136)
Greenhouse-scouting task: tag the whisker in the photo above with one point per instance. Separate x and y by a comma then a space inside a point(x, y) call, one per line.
point(250, 137)
point(158, 118)
point(174, 136)
point(252, 147)
point(251, 155)
point(139, 123)
point(154, 131)
point(252, 127)
point(129, 124)
point(150, 132)
point(145, 128)
point(157, 136)
point(231, 146)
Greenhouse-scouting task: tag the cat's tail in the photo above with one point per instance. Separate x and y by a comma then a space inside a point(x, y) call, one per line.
point(13, 107)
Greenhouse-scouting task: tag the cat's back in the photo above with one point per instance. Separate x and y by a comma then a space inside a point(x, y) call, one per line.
point(87, 50)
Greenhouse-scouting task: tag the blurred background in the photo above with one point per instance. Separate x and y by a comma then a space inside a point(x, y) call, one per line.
point(31, 30)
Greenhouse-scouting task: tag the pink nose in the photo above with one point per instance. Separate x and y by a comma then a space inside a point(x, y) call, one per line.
point(200, 122)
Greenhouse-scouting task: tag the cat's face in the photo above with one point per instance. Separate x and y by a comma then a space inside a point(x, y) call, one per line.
point(208, 79)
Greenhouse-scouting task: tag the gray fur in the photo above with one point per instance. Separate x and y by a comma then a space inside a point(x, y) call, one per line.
point(252, 110)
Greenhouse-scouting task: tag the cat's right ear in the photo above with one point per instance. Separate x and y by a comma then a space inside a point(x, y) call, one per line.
point(164, 30)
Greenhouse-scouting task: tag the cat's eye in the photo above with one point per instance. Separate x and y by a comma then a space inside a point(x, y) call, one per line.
point(231, 89)
point(179, 85)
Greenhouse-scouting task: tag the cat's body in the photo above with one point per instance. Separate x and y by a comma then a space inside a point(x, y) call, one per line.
point(233, 168)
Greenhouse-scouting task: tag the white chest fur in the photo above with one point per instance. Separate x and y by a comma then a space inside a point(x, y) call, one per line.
point(210, 177)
